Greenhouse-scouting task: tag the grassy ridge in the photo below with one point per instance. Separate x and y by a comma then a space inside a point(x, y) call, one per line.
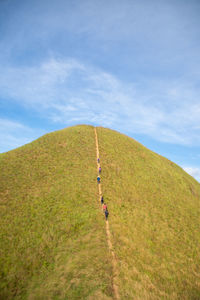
point(154, 219)
point(52, 240)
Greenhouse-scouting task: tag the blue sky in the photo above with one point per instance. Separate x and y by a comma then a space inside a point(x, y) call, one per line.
point(132, 66)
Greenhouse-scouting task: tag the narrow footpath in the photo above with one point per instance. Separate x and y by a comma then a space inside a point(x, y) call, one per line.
point(114, 261)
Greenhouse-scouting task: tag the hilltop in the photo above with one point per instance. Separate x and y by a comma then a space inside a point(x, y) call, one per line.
point(53, 236)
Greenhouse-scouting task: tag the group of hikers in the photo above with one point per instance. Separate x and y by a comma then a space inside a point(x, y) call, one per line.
point(104, 205)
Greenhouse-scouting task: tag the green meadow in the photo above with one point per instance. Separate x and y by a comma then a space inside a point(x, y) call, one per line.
point(154, 219)
point(52, 230)
point(52, 240)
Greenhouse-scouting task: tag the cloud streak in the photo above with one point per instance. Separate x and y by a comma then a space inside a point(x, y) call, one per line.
point(193, 171)
point(15, 134)
point(66, 90)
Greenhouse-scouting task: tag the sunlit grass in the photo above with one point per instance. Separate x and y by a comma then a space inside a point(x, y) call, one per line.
point(154, 219)
point(52, 240)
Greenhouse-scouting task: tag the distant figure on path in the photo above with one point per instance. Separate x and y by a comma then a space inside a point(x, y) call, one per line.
point(98, 160)
point(102, 200)
point(106, 214)
point(105, 207)
point(99, 170)
point(98, 179)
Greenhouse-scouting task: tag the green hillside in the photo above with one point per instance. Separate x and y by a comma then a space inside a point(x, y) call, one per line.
point(52, 242)
point(53, 238)
point(155, 220)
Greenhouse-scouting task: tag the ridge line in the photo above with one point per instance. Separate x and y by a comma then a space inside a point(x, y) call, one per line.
point(110, 247)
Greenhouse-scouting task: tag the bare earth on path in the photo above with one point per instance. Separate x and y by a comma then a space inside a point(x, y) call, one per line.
point(114, 261)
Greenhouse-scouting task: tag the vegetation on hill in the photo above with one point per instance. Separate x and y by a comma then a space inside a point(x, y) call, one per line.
point(53, 240)
point(154, 219)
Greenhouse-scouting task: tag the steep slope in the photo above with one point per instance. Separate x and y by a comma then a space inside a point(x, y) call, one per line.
point(53, 234)
point(154, 220)
point(52, 240)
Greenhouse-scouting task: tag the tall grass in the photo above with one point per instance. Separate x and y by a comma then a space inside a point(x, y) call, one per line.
point(52, 239)
point(154, 220)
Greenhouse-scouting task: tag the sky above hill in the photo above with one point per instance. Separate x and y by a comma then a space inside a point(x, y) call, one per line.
point(132, 66)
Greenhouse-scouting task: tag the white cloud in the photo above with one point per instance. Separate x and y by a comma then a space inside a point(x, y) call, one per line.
point(194, 171)
point(15, 134)
point(11, 125)
point(67, 91)
point(38, 84)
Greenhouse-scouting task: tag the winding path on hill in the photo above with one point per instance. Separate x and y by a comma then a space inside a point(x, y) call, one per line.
point(114, 261)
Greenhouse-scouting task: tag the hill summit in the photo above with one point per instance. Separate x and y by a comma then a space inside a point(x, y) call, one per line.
point(53, 234)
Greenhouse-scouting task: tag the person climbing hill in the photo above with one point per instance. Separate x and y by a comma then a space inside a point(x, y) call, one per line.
point(102, 200)
point(99, 170)
point(98, 160)
point(106, 214)
point(98, 179)
point(105, 207)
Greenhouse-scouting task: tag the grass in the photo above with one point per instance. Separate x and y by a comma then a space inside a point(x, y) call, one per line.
point(154, 220)
point(52, 241)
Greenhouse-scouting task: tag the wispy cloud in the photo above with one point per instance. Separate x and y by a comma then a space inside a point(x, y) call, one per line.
point(195, 172)
point(66, 90)
point(38, 84)
point(15, 134)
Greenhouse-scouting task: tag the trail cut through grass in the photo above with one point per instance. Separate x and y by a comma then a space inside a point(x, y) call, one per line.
point(52, 240)
point(110, 247)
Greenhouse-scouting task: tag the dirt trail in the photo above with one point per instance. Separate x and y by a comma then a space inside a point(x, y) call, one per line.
point(114, 261)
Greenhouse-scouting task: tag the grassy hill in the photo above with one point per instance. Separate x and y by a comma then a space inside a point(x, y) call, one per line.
point(53, 240)
point(155, 220)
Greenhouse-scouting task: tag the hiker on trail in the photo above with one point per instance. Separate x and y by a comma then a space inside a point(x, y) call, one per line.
point(99, 170)
point(98, 160)
point(98, 179)
point(106, 214)
point(105, 207)
point(102, 200)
